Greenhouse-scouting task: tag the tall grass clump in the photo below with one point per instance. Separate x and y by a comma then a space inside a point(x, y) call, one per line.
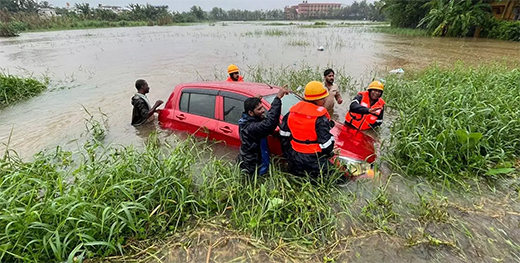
point(274, 208)
point(297, 76)
point(456, 123)
point(14, 89)
point(57, 209)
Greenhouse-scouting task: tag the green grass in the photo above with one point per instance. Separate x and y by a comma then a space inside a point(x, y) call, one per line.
point(400, 31)
point(14, 89)
point(297, 76)
point(456, 123)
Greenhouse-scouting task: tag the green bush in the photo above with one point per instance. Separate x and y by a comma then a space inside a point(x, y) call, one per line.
point(10, 29)
point(506, 31)
point(456, 123)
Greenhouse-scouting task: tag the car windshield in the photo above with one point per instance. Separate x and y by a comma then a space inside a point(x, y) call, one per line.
point(287, 101)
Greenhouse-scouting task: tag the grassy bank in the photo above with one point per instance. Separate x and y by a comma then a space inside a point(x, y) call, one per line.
point(123, 203)
point(14, 89)
point(456, 123)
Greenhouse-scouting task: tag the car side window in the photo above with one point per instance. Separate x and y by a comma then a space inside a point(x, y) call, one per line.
point(233, 109)
point(198, 104)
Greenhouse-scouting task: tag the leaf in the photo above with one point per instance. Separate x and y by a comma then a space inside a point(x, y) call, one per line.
point(500, 171)
point(274, 203)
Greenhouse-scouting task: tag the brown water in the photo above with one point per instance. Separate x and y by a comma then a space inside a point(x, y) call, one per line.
point(97, 68)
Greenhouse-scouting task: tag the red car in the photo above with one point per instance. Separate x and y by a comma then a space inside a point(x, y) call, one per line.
point(212, 109)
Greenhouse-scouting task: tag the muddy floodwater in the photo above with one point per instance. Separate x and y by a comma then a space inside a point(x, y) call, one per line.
point(95, 70)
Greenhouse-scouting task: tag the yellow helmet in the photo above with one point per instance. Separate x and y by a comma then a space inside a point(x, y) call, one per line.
point(315, 90)
point(376, 85)
point(232, 69)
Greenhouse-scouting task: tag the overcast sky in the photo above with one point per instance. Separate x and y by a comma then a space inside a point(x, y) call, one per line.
point(207, 5)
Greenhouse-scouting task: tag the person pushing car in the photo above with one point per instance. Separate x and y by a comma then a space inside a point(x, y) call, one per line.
point(305, 132)
point(254, 128)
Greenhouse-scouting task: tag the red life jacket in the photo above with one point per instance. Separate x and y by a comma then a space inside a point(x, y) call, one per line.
point(363, 121)
point(302, 124)
point(240, 79)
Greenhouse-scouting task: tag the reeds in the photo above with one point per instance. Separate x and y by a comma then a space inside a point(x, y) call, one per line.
point(456, 123)
point(14, 89)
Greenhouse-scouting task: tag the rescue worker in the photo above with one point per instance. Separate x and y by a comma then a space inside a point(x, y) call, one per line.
point(254, 129)
point(305, 132)
point(234, 73)
point(367, 108)
point(334, 94)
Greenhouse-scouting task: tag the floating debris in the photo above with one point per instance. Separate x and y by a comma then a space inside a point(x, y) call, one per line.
point(397, 71)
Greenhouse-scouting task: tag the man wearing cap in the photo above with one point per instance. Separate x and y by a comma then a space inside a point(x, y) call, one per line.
point(234, 73)
point(367, 108)
point(305, 133)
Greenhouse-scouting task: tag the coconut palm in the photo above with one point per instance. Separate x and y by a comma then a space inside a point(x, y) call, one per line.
point(454, 17)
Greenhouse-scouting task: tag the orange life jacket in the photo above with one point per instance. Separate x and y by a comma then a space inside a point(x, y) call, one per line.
point(240, 79)
point(363, 121)
point(302, 124)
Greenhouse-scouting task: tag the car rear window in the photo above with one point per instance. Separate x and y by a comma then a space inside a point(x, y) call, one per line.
point(198, 104)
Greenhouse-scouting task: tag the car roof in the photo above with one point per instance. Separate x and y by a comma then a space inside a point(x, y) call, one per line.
point(250, 88)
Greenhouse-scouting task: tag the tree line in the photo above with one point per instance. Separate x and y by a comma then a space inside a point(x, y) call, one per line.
point(451, 18)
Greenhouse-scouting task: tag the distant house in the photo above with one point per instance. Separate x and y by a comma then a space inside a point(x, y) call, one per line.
point(505, 9)
point(306, 10)
point(48, 12)
point(113, 8)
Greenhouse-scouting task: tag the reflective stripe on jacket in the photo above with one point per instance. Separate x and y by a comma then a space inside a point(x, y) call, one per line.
point(302, 122)
point(364, 121)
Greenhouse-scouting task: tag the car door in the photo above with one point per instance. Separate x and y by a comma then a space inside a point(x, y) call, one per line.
point(196, 113)
point(230, 107)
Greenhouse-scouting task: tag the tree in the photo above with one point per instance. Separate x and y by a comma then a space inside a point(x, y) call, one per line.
point(455, 17)
point(197, 12)
point(405, 13)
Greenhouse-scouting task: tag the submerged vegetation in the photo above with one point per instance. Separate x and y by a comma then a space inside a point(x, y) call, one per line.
point(14, 89)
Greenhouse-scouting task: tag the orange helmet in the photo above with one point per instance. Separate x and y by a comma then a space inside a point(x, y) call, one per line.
point(232, 69)
point(315, 90)
point(376, 85)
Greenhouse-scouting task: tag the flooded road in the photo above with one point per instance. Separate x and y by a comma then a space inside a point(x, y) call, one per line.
point(97, 68)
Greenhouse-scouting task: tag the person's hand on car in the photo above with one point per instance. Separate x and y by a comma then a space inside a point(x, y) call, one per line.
point(282, 92)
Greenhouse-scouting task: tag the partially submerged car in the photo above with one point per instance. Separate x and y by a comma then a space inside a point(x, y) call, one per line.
point(212, 110)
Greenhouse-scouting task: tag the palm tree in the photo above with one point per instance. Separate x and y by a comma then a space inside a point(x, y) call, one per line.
point(454, 17)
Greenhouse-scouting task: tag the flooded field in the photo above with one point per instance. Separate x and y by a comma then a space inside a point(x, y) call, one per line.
point(393, 220)
point(97, 68)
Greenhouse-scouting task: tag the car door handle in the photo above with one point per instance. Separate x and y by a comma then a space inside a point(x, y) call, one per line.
point(226, 129)
point(181, 117)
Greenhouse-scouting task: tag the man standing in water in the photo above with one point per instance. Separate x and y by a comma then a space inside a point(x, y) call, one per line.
point(142, 108)
point(367, 108)
point(254, 129)
point(234, 73)
point(333, 91)
point(305, 133)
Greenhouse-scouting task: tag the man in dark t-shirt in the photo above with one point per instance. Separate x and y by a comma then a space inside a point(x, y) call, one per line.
point(142, 109)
